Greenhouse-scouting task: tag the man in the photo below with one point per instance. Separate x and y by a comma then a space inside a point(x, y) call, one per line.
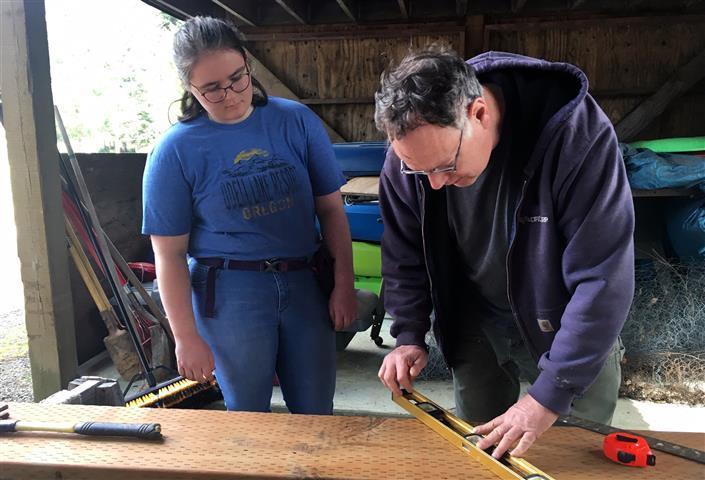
point(507, 212)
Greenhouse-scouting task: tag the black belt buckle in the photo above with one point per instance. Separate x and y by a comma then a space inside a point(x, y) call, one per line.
point(274, 266)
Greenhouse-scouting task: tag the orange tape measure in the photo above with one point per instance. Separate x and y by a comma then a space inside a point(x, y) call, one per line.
point(628, 449)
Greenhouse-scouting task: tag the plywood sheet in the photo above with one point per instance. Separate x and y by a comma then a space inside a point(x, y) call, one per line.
point(216, 444)
point(367, 186)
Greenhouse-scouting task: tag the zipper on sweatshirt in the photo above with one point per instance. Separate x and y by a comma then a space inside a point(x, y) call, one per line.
point(427, 259)
point(518, 324)
point(423, 236)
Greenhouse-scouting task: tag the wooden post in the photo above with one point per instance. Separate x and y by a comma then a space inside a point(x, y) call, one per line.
point(474, 35)
point(34, 170)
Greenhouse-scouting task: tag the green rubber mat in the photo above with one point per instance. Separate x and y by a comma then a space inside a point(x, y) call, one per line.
point(673, 145)
point(367, 259)
point(371, 284)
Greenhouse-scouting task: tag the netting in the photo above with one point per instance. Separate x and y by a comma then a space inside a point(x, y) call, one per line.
point(664, 335)
point(436, 368)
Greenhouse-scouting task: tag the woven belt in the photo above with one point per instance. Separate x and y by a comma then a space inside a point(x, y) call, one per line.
point(273, 265)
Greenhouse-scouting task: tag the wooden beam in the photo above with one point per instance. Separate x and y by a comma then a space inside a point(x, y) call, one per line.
point(240, 15)
point(276, 87)
point(337, 101)
point(271, 83)
point(517, 5)
point(681, 81)
point(474, 35)
point(576, 3)
point(348, 8)
point(529, 24)
point(34, 170)
point(634, 3)
point(348, 31)
point(404, 8)
point(461, 8)
point(293, 10)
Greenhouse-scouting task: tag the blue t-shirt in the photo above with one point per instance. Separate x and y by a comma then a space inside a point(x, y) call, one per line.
point(243, 191)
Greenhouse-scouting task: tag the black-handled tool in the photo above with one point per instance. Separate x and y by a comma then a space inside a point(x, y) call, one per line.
point(146, 431)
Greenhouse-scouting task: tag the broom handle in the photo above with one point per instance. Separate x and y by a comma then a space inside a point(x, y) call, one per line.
point(90, 280)
point(135, 282)
point(106, 258)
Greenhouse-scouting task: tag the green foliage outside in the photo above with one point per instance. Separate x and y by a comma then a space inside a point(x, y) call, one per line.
point(112, 73)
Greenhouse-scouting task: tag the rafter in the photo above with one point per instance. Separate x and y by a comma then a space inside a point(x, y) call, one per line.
point(461, 7)
point(348, 7)
point(404, 8)
point(576, 3)
point(245, 18)
point(681, 81)
point(293, 10)
point(517, 5)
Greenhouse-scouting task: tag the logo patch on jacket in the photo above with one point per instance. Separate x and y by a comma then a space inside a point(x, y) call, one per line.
point(545, 325)
point(535, 219)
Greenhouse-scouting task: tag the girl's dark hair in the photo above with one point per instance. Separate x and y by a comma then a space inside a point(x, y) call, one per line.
point(432, 86)
point(200, 35)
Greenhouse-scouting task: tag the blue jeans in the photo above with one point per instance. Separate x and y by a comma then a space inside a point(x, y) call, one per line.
point(265, 322)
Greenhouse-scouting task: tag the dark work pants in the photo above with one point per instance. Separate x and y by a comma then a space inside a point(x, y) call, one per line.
point(488, 369)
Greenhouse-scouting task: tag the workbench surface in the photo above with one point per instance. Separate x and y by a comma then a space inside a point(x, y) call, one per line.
point(217, 444)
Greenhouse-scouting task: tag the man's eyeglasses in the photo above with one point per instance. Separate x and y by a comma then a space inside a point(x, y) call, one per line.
point(218, 94)
point(449, 169)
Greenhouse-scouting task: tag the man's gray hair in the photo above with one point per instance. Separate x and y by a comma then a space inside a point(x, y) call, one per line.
point(431, 86)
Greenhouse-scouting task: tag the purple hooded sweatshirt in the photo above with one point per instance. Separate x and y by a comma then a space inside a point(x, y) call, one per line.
point(570, 263)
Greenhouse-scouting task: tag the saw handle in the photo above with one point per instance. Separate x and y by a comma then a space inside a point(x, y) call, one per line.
point(147, 431)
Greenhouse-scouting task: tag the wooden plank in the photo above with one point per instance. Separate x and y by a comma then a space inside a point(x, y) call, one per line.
point(294, 9)
point(275, 87)
point(240, 14)
point(216, 444)
point(347, 31)
point(367, 186)
point(613, 57)
point(681, 81)
point(474, 35)
point(34, 170)
point(358, 65)
point(677, 120)
point(568, 23)
point(348, 8)
point(336, 101)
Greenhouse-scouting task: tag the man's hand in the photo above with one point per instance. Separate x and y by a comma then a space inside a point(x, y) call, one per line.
point(524, 422)
point(401, 366)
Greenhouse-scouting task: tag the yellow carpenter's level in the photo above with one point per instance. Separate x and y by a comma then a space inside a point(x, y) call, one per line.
point(459, 433)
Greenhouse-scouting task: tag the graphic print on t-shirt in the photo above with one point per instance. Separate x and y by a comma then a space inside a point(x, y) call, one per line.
point(258, 184)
